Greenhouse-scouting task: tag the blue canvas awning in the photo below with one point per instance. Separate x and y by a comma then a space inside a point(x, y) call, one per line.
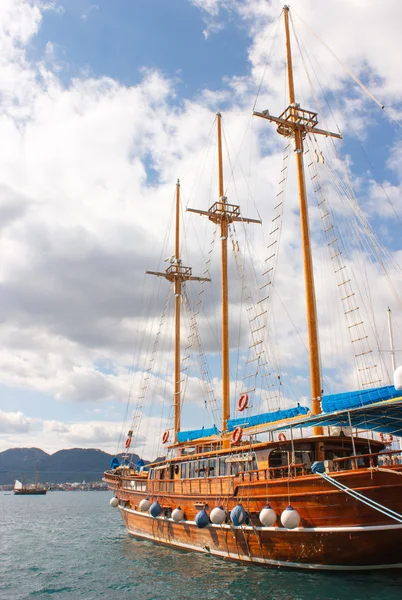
point(346, 400)
point(195, 434)
point(382, 417)
point(270, 417)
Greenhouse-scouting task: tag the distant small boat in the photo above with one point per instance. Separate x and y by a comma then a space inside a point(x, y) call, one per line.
point(35, 489)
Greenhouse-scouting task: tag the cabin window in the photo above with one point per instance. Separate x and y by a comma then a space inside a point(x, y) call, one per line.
point(222, 466)
point(305, 458)
point(152, 473)
point(187, 451)
point(211, 467)
point(278, 458)
point(236, 467)
point(192, 469)
point(202, 466)
point(251, 464)
point(184, 470)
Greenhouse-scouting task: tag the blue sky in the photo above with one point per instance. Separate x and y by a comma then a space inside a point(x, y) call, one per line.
point(120, 39)
point(103, 105)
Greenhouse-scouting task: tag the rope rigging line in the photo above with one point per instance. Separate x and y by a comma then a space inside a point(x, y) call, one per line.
point(349, 192)
point(147, 376)
point(366, 370)
point(332, 141)
point(370, 241)
point(303, 53)
point(137, 344)
point(350, 73)
point(146, 336)
point(371, 503)
point(258, 317)
point(196, 344)
point(276, 26)
point(257, 324)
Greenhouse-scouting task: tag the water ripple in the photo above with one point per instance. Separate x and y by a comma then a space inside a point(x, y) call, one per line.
point(74, 546)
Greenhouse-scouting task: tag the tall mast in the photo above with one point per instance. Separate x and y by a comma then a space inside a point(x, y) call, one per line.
point(224, 214)
point(315, 367)
point(177, 274)
point(177, 300)
point(295, 123)
point(224, 277)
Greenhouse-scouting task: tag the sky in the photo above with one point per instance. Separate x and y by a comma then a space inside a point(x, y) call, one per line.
point(103, 105)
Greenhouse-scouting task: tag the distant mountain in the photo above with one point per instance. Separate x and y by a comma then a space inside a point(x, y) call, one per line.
point(64, 466)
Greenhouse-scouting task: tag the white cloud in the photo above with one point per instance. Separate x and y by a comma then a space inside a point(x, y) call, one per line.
point(16, 422)
point(86, 186)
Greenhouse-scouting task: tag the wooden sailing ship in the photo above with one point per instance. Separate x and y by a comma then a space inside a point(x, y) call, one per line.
point(331, 499)
point(35, 489)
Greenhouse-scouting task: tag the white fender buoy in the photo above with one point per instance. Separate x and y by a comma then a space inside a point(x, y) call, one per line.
point(290, 518)
point(268, 516)
point(177, 514)
point(144, 505)
point(217, 515)
point(398, 379)
point(114, 502)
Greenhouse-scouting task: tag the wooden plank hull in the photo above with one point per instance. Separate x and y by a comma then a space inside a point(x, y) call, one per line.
point(343, 548)
point(336, 531)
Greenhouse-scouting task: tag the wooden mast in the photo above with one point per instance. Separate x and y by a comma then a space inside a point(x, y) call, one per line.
point(224, 284)
point(295, 123)
point(315, 367)
point(177, 274)
point(223, 214)
point(177, 300)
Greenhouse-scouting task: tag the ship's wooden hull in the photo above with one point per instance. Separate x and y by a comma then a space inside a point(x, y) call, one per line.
point(342, 548)
point(336, 530)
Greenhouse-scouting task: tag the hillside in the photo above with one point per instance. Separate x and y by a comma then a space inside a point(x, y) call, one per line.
point(64, 466)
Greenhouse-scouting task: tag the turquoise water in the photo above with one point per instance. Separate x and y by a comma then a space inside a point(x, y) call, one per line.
point(71, 545)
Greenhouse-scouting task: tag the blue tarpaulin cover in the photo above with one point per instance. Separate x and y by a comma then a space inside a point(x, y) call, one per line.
point(195, 434)
point(346, 400)
point(384, 417)
point(269, 417)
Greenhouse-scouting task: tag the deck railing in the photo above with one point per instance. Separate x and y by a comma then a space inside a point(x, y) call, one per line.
point(223, 484)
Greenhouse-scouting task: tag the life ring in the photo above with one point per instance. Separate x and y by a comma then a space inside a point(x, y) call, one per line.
point(165, 437)
point(282, 437)
point(128, 442)
point(236, 436)
point(243, 402)
point(390, 437)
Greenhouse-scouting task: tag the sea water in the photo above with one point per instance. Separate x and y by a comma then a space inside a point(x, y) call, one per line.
point(69, 545)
